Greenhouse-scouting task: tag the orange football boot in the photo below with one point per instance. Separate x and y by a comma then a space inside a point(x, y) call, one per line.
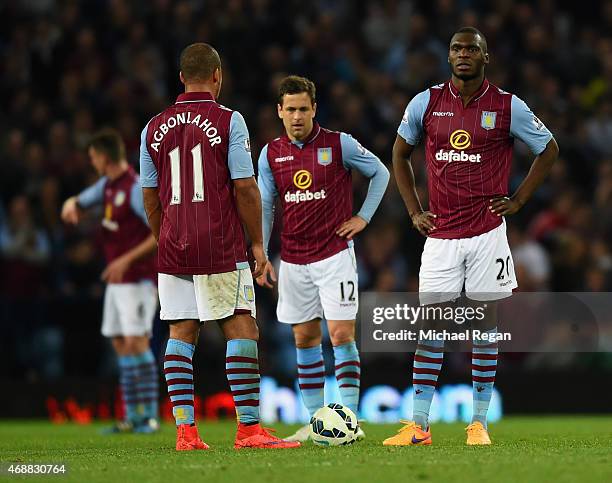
point(411, 434)
point(477, 435)
point(188, 439)
point(254, 436)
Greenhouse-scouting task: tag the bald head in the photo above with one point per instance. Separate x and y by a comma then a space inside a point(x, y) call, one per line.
point(199, 62)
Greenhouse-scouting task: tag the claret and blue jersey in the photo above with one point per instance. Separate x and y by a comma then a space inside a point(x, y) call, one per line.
point(124, 220)
point(313, 180)
point(468, 152)
point(191, 152)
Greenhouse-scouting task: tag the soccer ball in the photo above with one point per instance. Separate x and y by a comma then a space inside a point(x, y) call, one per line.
point(333, 425)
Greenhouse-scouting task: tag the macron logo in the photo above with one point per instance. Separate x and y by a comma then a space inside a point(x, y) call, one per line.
point(284, 158)
point(443, 114)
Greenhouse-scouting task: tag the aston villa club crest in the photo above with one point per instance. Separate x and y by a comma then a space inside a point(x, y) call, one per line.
point(249, 293)
point(487, 120)
point(119, 198)
point(324, 156)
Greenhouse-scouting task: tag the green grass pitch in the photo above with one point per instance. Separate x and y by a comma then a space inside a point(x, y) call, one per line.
point(534, 449)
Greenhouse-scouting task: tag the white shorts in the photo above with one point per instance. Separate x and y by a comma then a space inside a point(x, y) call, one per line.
point(206, 297)
point(327, 288)
point(484, 263)
point(129, 309)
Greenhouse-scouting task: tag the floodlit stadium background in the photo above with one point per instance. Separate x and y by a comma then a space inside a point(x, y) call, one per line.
point(68, 68)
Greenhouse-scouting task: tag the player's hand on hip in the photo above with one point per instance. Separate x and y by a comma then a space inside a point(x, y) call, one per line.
point(503, 206)
point(268, 277)
point(115, 270)
point(261, 260)
point(424, 222)
point(351, 227)
point(70, 211)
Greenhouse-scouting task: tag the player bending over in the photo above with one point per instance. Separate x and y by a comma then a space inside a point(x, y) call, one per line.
point(309, 169)
point(198, 185)
point(469, 126)
point(130, 299)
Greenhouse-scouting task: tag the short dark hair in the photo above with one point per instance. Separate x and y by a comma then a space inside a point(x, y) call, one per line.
point(109, 142)
point(473, 31)
point(199, 61)
point(294, 84)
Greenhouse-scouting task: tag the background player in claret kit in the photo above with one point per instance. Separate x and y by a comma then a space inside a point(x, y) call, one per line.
point(198, 185)
point(309, 168)
point(469, 126)
point(130, 300)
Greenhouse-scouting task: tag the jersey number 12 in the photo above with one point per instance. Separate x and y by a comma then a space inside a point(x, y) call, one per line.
point(175, 175)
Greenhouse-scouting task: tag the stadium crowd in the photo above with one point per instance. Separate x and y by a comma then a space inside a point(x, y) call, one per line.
point(69, 68)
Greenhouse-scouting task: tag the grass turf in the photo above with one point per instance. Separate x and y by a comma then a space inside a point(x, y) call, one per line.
point(525, 449)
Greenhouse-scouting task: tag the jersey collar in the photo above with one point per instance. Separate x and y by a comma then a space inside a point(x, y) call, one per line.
point(477, 95)
point(195, 97)
point(316, 129)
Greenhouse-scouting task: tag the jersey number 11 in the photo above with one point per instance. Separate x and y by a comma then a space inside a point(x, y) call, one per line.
point(175, 175)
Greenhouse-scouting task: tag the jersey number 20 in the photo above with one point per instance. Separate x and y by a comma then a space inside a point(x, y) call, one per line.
point(175, 175)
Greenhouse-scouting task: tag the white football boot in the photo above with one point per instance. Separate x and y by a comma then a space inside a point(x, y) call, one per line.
point(301, 435)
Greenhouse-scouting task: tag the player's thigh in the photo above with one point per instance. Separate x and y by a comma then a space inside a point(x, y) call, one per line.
point(111, 325)
point(150, 297)
point(136, 302)
point(177, 298)
point(298, 297)
point(337, 282)
point(489, 266)
point(222, 295)
point(442, 271)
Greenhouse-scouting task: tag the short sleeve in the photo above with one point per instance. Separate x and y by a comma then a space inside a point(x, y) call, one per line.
point(411, 127)
point(137, 203)
point(525, 125)
point(148, 171)
point(239, 153)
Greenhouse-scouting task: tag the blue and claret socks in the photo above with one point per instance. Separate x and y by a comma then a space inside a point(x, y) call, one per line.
point(178, 371)
point(484, 368)
point(427, 365)
point(147, 386)
point(242, 370)
point(348, 374)
point(311, 376)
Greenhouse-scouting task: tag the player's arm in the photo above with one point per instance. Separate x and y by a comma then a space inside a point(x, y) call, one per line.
point(525, 126)
point(355, 156)
point(150, 191)
point(72, 209)
point(248, 202)
point(408, 135)
point(116, 269)
point(269, 192)
point(152, 205)
point(248, 198)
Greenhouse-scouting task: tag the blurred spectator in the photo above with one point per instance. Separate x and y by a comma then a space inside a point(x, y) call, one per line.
point(25, 251)
point(531, 262)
